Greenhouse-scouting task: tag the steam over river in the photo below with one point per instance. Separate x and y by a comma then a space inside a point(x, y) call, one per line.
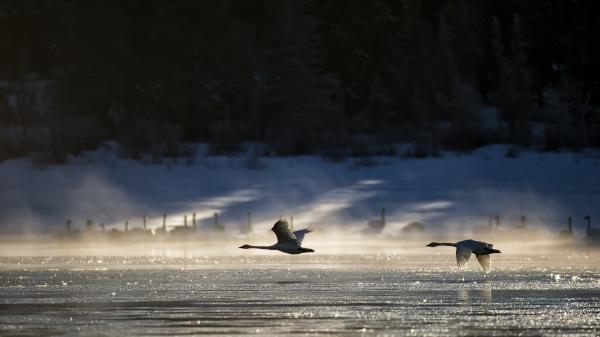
point(271, 294)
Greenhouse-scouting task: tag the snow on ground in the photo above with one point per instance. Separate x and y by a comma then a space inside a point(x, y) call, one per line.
point(455, 190)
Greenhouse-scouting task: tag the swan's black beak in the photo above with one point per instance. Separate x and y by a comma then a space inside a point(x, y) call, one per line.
point(430, 245)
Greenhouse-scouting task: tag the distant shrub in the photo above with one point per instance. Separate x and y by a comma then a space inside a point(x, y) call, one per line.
point(553, 138)
point(253, 160)
point(512, 152)
point(334, 146)
point(334, 155)
point(465, 136)
point(422, 151)
point(362, 146)
point(224, 139)
point(520, 134)
point(152, 138)
point(385, 150)
point(295, 137)
point(39, 160)
point(365, 162)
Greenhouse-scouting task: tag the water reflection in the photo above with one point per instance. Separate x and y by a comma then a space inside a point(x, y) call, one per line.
point(486, 293)
point(481, 294)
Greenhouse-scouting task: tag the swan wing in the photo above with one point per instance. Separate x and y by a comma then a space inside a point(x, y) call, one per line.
point(462, 256)
point(301, 233)
point(284, 234)
point(485, 262)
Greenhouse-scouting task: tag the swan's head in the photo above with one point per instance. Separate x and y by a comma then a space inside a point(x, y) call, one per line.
point(433, 244)
point(245, 246)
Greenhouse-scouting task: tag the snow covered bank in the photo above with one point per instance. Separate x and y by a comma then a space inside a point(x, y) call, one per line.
point(451, 191)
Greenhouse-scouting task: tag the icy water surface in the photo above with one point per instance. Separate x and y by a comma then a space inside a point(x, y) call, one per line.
point(275, 295)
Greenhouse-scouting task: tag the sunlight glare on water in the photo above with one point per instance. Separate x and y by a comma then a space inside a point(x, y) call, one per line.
point(274, 295)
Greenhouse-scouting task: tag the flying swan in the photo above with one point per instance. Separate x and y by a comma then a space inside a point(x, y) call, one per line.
point(287, 241)
point(465, 248)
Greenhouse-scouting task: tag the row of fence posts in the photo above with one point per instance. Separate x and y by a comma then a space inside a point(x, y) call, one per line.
point(217, 225)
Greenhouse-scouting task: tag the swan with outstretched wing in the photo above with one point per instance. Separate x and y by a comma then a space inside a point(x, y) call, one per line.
point(465, 248)
point(287, 241)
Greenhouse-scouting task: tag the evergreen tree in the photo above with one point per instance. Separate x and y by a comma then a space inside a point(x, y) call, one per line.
point(412, 59)
point(513, 93)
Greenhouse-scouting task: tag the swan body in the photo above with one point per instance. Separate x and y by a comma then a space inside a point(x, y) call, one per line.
point(567, 233)
point(287, 241)
point(414, 227)
point(375, 226)
point(591, 233)
point(465, 248)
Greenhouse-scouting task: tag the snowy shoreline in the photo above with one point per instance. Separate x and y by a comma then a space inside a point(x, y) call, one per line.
point(453, 191)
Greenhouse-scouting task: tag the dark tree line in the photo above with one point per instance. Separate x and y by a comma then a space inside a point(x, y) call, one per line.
point(336, 77)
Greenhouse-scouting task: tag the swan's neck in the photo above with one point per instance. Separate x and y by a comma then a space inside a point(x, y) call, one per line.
point(570, 227)
point(261, 247)
point(445, 244)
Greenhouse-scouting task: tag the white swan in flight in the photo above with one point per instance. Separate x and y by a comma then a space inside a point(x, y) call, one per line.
point(465, 248)
point(287, 241)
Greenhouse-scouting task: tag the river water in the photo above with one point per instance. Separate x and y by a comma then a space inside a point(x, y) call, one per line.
point(274, 295)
